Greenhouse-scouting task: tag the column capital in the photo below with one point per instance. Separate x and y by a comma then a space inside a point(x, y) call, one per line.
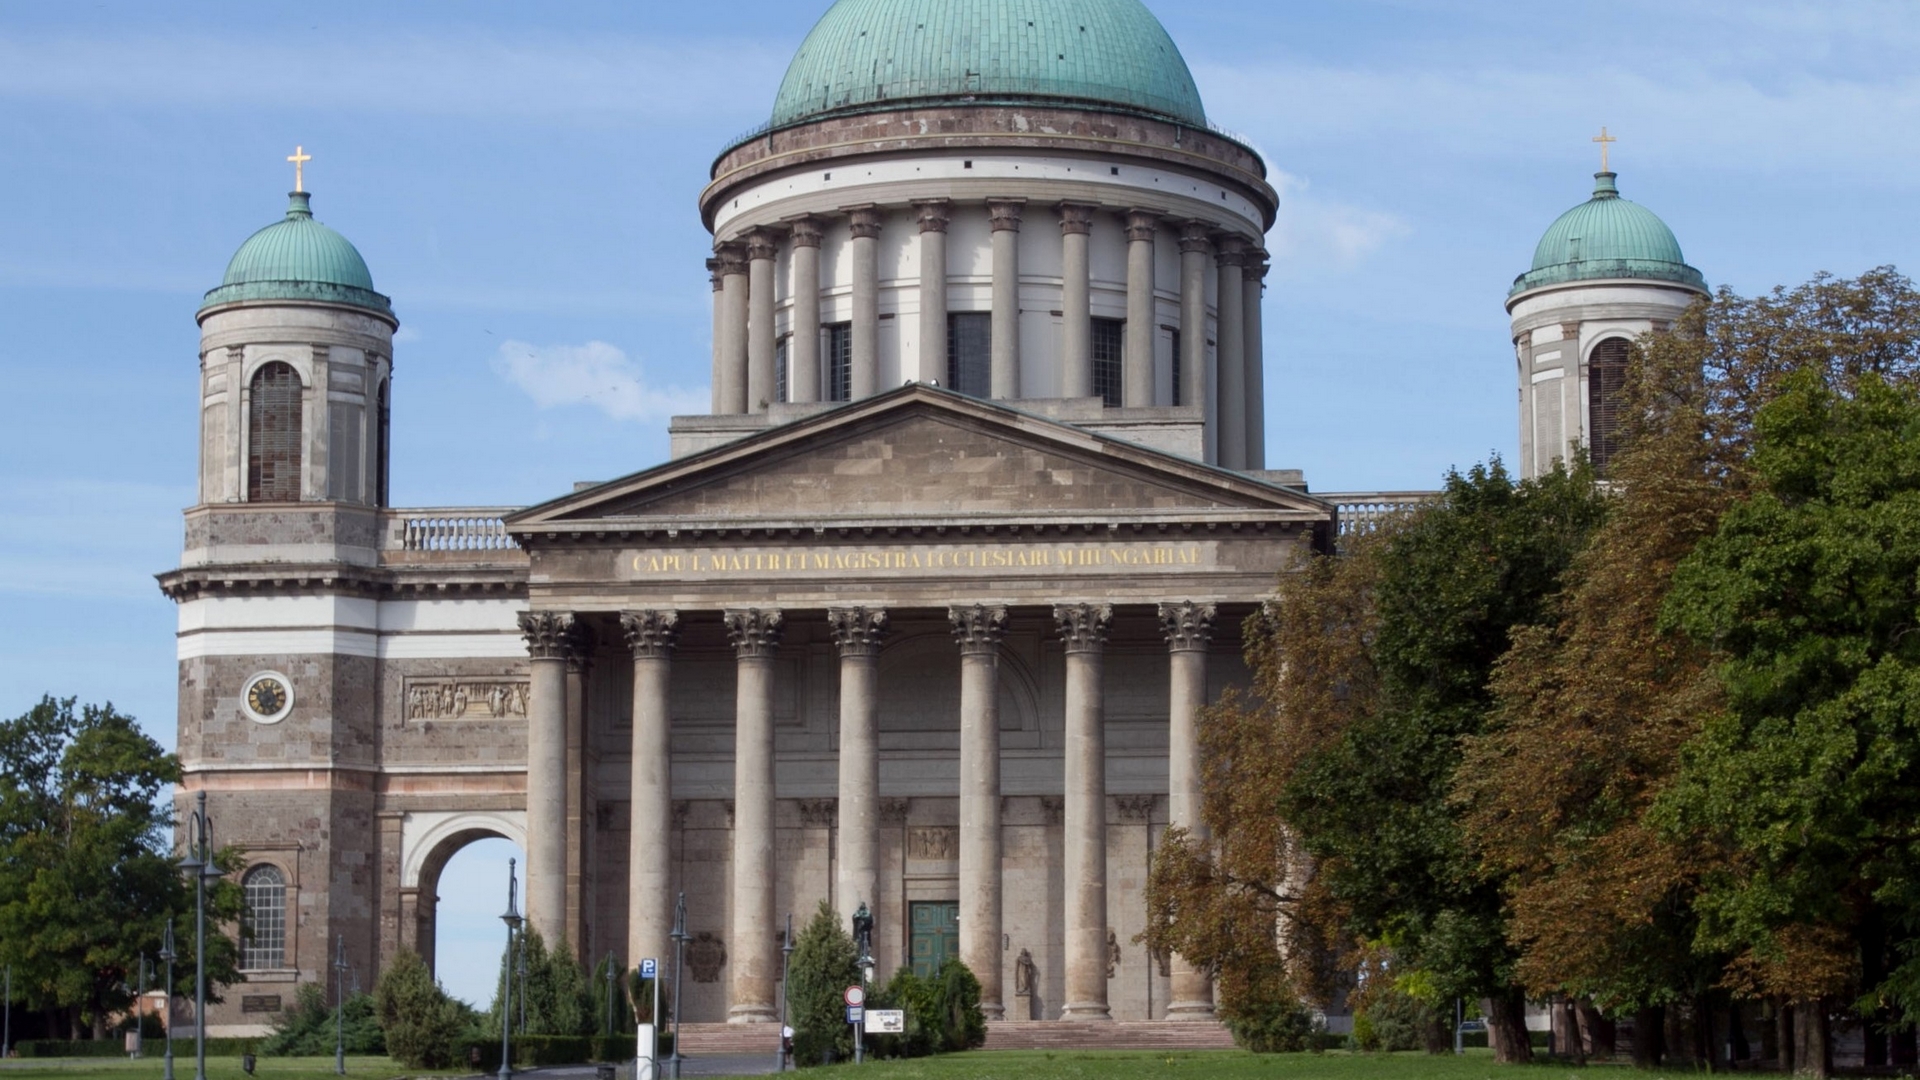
point(714, 275)
point(650, 633)
point(549, 634)
point(1083, 626)
point(934, 214)
point(978, 628)
point(1003, 215)
point(807, 232)
point(866, 221)
point(1142, 225)
point(858, 631)
point(1196, 236)
point(1188, 626)
point(1258, 262)
point(581, 643)
point(754, 631)
point(1232, 248)
point(763, 244)
point(732, 258)
point(1076, 218)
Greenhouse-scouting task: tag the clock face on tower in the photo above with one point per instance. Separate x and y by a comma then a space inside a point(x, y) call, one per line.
point(268, 697)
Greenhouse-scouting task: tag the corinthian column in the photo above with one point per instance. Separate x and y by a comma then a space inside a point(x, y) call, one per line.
point(858, 631)
point(803, 356)
point(1136, 375)
point(719, 332)
point(733, 328)
point(865, 376)
point(755, 959)
point(1076, 319)
point(762, 247)
point(549, 637)
point(1003, 217)
point(1253, 279)
point(934, 215)
point(978, 630)
point(650, 636)
point(1084, 629)
point(1194, 249)
point(1188, 628)
point(1233, 355)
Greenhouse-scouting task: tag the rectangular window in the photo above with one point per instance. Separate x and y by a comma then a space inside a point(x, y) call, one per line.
point(1176, 366)
point(780, 369)
point(1108, 335)
point(839, 365)
point(970, 353)
point(343, 452)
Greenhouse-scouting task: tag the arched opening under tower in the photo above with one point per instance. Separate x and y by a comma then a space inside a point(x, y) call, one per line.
point(458, 885)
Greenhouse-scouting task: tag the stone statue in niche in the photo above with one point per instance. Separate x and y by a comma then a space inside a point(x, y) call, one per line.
point(1024, 973)
point(706, 955)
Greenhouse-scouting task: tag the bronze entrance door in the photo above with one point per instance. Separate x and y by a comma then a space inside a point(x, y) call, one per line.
point(936, 935)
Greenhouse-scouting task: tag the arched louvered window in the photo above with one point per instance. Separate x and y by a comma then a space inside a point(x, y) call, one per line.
point(273, 435)
point(381, 468)
point(265, 889)
point(1606, 385)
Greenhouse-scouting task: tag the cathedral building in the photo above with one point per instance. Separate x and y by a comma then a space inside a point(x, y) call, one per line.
point(918, 617)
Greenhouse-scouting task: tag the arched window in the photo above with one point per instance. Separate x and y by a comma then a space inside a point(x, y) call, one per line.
point(385, 443)
point(266, 898)
point(273, 435)
point(1606, 385)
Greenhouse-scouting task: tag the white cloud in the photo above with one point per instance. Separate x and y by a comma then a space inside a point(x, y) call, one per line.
point(596, 374)
point(1311, 234)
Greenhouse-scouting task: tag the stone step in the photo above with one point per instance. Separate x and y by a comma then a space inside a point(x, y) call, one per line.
point(1113, 1035)
point(729, 1038)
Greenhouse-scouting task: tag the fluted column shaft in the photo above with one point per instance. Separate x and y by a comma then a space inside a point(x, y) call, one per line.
point(733, 329)
point(754, 956)
point(1188, 628)
point(1253, 279)
point(650, 637)
point(1136, 376)
point(762, 247)
point(1233, 355)
point(1004, 218)
point(1076, 310)
point(549, 639)
point(803, 355)
point(979, 630)
point(719, 333)
point(865, 377)
point(858, 632)
point(1083, 627)
point(1195, 250)
point(934, 215)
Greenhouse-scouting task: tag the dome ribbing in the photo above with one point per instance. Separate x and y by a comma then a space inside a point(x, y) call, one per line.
point(1608, 237)
point(871, 55)
point(298, 258)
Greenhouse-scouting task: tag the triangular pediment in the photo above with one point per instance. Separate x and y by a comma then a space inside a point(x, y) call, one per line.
point(921, 455)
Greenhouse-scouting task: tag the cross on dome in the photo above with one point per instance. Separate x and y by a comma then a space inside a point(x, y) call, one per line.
point(299, 157)
point(1604, 140)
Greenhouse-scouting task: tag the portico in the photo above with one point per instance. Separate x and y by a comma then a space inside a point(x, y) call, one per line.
point(914, 677)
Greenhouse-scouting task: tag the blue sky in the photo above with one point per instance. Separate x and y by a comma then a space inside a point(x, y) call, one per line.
point(520, 173)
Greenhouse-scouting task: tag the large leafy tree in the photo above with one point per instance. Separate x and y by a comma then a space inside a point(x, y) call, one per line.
point(87, 878)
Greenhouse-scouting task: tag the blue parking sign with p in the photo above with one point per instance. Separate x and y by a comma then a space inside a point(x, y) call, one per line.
point(649, 968)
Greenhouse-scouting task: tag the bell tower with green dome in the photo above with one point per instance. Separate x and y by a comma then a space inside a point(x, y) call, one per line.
point(1606, 272)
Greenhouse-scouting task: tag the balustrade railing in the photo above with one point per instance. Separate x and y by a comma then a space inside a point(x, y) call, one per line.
point(1362, 511)
point(455, 529)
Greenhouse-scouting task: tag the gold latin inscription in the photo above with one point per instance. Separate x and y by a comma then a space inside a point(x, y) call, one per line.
point(882, 560)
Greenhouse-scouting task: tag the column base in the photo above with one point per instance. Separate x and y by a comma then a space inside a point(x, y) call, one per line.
point(1086, 1010)
point(993, 1010)
point(1191, 1010)
point(751, 1014)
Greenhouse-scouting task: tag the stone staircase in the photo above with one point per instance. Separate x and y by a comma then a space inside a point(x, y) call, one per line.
point(1113, 1035)
point(730, 1039)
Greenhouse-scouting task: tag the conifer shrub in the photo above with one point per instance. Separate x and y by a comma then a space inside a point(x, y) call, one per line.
point(819, 972)
point(421, 1023)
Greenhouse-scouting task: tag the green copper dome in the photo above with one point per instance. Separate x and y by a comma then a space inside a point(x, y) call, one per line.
point(871, 55)
point(1608, 237)
point(299, 259)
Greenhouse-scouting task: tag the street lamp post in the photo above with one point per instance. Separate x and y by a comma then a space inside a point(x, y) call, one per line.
point(786, 997)
point(140, 1013)
point(680, 937)
point(167, 956)
point(340, 1007)
point(200, 863)
point(6, 1025)
point(612, 964)
point(512, 919)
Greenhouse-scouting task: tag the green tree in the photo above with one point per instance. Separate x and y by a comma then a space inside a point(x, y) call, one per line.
point(87, 877)
point(419, 1021)
point(306, 1029)
point(1806, 594)
point(818, 973)
point(554, 994)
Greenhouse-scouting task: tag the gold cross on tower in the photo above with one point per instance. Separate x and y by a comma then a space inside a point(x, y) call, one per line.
point(299, 157)
point(1603, 139)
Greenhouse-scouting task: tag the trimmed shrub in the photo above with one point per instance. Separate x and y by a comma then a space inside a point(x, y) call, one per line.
point(821, 969)
point(69, 1048)
point(1278, 1025)
point(420, 1021)
point(307, 1028)
point(942, 1013)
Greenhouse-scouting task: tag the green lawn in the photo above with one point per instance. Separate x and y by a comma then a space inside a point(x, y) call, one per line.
point(224, 1068)
point(1203, 1065)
